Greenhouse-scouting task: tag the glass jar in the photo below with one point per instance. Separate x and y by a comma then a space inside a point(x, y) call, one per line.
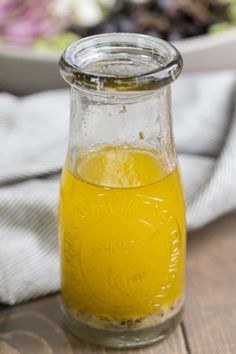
point(122, 214)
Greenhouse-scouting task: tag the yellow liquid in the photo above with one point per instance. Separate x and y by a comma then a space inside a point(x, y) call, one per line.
point(122, 234)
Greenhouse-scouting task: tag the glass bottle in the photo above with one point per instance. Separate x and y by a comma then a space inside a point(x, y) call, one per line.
point(122, 214)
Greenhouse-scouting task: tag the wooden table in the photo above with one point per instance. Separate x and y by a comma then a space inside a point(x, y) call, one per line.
point(209, 325)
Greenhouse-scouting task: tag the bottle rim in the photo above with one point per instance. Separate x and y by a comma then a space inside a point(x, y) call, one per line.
point(79, 64)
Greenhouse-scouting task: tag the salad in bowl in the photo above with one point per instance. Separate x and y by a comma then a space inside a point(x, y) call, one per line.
point(33, 33)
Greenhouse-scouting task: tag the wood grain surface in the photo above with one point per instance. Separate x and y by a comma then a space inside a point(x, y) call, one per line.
point(37, 328)
point(209, 325)
point(210, 319)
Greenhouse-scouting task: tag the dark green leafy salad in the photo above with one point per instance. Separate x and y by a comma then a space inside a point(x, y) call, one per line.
point(168, 19)
point(54, 24)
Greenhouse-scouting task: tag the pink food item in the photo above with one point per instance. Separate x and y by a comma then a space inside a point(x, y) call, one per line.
point(22, 21)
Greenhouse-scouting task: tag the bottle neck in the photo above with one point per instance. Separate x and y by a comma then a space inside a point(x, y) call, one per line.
point(141, 121)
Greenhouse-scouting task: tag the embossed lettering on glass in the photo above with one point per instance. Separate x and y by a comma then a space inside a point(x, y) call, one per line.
point(122, 214)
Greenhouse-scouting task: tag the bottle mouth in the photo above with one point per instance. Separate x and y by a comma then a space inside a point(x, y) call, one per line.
point(120, 62)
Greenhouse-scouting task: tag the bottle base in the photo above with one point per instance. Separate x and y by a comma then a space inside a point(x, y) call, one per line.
point(122, 339)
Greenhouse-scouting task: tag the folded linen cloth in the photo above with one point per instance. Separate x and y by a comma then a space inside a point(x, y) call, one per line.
point(33, 139)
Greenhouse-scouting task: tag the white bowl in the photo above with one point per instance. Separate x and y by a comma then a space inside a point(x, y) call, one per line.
point(209, 52)
point(27, 71)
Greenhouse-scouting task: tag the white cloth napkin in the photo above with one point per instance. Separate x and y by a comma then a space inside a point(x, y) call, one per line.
point(33, 138)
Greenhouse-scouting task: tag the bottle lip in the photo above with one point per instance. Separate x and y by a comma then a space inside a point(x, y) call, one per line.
point(74, 63)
